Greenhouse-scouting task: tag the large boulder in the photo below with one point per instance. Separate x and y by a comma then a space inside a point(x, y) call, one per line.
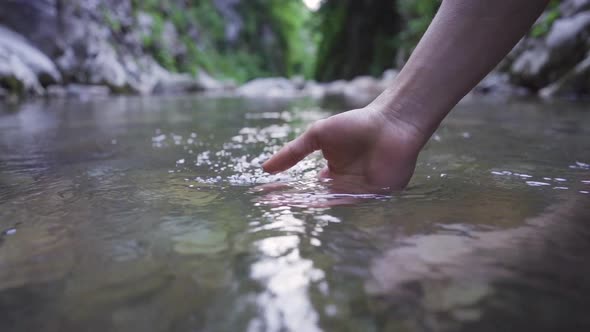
point(181, 83)
point(547, 59)
point(79, 41)
point(574, 83)
point(359, 91)
point(274, 87)
point(37, 21)
point(17, 77)
point(23, 68)
point(571, 7)
point(555, 64)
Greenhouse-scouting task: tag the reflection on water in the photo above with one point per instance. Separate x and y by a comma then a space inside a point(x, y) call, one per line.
point(131, 214)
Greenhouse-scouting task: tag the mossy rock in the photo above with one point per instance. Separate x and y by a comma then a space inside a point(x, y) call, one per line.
point(201, 242)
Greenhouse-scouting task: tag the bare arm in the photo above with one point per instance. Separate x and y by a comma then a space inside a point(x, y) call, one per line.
point(465, 41)
point(377, 146)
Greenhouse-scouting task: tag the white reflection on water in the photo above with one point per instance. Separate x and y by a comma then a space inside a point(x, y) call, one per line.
point(286, 276)
point(557, 183)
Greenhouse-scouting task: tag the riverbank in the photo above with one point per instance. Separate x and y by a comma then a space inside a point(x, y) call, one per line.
point(84, 49)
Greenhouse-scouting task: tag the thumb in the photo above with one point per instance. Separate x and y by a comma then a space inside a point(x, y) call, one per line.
point(293, 152)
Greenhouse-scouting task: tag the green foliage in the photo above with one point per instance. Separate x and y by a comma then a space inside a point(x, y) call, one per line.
point(111, 22)
point(357, 38)
point(274, 40)
point(541, 28)
point(331, 22)
point(290, 20)
point(417, 15)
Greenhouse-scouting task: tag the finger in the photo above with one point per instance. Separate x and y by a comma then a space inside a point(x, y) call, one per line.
point(292, 152)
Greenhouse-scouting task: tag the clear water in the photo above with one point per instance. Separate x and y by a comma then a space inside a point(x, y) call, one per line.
point(152, 214)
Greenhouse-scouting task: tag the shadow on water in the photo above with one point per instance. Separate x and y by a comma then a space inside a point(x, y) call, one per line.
point(153, 214)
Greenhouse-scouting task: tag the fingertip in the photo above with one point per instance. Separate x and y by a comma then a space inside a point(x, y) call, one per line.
point(267, 167)
point(275, 164)
point(290, 154)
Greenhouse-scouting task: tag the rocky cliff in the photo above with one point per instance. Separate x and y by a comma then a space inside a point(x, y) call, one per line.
point(62, 47)
point(47, 43)
point(130, 46)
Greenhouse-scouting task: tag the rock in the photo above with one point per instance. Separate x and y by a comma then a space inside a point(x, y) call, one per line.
point(389, 76)
point(314, 90)
point(530, 67)
point(575, 83)
point(30, 56)
point(335, 88)
point(88, 50)
point(298, 81)
point(355, 93)
point(546, 60)
point(201, 242)
point(572, 7)
point(37, 21)
point(16, 76)
point(499, 84)
point(274, 87)
point(56, 91)
point(207, 82)
point(36, 255)
point(23, 68)
point(86, 91)
point(145, 22)
point(143, 74)
point(106, 69)
point(570, 32)
point(179, 83)
point(170, 43)
point(79, 91)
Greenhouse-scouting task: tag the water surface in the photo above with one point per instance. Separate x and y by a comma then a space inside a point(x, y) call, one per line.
point(152, 214)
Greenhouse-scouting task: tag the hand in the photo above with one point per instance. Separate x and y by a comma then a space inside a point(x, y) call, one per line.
point(365, 149)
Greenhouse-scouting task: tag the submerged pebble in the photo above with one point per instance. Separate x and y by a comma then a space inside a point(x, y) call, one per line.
point(200, 242)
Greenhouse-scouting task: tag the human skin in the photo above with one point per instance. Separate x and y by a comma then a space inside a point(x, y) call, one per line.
point(376, 147)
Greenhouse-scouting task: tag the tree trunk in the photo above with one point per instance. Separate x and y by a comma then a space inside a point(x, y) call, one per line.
point(358, 38)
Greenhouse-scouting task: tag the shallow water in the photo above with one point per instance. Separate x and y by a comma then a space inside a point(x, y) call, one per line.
point(152, 214)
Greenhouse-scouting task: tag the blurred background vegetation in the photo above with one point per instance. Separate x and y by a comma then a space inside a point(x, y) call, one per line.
point(241, 40)
point(238, 40)
point(146, 46)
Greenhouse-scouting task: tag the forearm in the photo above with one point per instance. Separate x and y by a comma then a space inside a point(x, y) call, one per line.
point(465, 41)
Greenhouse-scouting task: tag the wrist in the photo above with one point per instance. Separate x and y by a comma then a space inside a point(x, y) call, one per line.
point(404, 112)
point(415, 104)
